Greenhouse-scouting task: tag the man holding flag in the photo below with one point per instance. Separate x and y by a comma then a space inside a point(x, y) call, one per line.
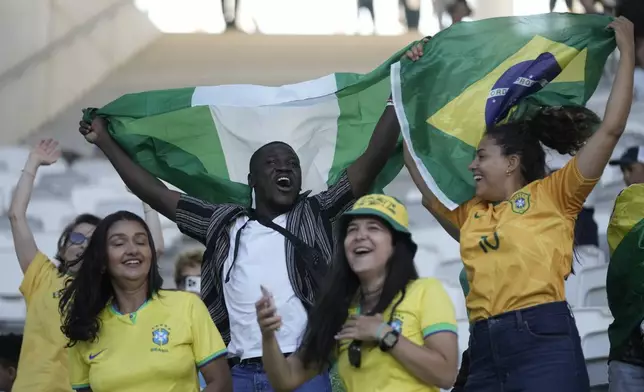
point(285, 243)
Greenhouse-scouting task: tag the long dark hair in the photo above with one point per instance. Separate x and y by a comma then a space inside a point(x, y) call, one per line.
point(564, 129)
point(64, 265)
point(340, 290)
point(88, 294)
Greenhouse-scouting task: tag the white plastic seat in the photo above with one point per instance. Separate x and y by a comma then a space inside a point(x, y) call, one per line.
point(425, 261)
point(449, 270)
point(61, 184)
point(14, 157)
point(592, 286)
point(106, 207)
point(458, 299)
point(35, 224)
point(11, 275)
point(94, 169)
point(53, 213)
point(463, 326)
point(48, 243)
point(592, 324)
point(13, 312)
point(86, 198)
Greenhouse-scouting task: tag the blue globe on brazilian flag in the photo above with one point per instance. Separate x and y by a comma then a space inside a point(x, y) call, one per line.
point(475, 75)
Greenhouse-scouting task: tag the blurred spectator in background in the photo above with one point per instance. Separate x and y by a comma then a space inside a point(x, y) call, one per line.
point(9, 354)
point(456, 9)
point(187, 271)
point(43, 360)
point(553, 3)
point(230, 9)
point(632, 165)
point(412, 13)
point(187, 277)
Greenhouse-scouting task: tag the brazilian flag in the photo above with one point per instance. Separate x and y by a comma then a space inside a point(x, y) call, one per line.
point(625, 279)
point(474, 75)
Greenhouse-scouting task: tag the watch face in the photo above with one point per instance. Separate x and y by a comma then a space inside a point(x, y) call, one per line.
point(390, 339)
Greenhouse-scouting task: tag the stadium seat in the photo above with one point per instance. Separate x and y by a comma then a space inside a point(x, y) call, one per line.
point(458, 299)
point(426, 260)
point(463, 337)
point(57, 168)
point(61, 184)
point(14, 157)
point(11, 275)
point(592, 324)
point(8, 181)
point(449, 270)
point(48, 243)
point(12, 314)
point(94, 169)
point(53, 213)
point(6, 242)
point(87, 198)
point(132, 204)
point(592, 286)
point(35, 224)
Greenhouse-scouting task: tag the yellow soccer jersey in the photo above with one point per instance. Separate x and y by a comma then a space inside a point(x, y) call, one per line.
point(43, 358)
point(425, 310)
point(158, 348)
point(518, 252)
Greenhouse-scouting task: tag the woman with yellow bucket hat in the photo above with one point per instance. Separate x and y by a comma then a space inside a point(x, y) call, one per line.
point(384, 327)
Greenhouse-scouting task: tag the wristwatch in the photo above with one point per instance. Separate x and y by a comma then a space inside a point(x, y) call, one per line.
point(389, 340)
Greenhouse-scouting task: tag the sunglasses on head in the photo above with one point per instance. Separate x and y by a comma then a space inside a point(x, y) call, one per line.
point(355, 353)
point(77, 238)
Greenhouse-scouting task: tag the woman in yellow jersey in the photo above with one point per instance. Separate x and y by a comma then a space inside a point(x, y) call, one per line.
point(125, 333)
point(384, 328)
point(516, 239)
point(43, 360)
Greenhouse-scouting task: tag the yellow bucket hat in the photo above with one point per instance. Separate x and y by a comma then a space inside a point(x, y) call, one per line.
point(384, 207)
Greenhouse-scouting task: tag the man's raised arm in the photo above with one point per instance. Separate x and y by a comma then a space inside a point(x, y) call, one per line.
point(144, 185)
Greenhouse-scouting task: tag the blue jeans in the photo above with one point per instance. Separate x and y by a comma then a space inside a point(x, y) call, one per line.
point(251, 378)
point(536, 349)
point(624, 377)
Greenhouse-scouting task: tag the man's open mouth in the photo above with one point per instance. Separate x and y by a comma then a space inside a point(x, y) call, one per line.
point(283, 183)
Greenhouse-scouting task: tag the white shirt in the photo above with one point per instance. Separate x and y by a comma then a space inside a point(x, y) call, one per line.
point(261, 260)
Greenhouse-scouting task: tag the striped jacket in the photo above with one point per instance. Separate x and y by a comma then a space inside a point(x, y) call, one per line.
point(312, 220)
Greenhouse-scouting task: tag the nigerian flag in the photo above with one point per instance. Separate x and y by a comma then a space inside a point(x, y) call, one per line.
point(476, 74)
point(201, 139)
point(625, 278)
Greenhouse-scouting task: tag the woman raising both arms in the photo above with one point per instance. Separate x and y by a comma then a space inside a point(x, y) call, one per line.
point(516, 238)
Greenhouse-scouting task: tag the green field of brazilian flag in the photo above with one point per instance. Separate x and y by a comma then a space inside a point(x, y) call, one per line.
point(472, 75)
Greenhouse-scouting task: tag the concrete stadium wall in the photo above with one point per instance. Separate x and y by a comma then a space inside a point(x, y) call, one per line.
point(54, 51)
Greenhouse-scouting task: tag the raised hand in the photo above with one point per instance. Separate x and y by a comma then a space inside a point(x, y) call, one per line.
point(267, 318)
point(416, 51)
point(624, 35)
point(45, 153)
point(94, 132)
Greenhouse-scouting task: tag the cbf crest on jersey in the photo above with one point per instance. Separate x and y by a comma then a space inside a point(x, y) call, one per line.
point(160, 337)
point(520, 202)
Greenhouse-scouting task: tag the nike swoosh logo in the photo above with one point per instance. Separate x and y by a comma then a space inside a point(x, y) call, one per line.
point(92, 356)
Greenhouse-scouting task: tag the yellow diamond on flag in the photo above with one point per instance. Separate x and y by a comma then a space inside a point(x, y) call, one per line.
point(539, 63)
